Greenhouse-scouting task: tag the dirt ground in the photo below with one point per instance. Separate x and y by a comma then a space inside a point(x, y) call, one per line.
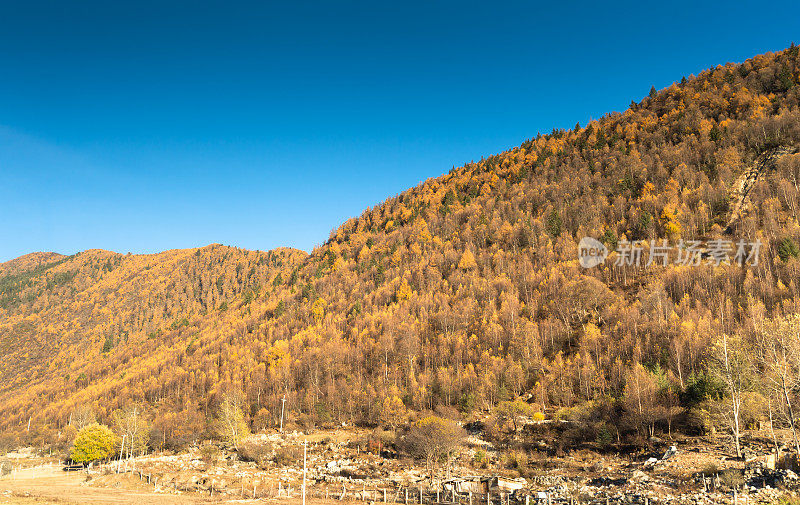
point(52, 486)
point(336, 459)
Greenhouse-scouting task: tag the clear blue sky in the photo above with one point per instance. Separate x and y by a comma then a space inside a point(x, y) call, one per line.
point(142, 126)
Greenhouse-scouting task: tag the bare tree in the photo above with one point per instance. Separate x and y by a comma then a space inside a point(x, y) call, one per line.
point(778, 357)
point(730, 362)
point(641, 398)
point(131, 423)
point(82, 416)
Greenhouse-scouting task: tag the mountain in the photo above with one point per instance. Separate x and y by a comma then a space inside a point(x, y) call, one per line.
point(67, 321)
point(456, 294)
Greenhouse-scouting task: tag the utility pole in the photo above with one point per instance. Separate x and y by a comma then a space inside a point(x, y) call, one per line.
point(283, 402)
point(305, 448)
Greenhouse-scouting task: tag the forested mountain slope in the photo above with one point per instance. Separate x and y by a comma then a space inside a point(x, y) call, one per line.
point(460, 292)
point(69, 321)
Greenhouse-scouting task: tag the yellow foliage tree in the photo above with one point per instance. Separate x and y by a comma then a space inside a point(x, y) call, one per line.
point(404, 291)
point(93, 443)
point(394, 412)
point(467, 261)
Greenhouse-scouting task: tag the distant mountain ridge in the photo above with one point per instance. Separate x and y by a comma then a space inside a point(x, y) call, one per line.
point(28, 262)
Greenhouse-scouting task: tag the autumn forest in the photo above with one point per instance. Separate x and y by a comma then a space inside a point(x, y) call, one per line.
point(462, 296)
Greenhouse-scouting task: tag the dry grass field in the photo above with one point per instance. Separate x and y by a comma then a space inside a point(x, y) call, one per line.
point(51, 486)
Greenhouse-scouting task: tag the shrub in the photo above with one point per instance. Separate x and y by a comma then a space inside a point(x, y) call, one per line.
point(255, 452)
point(306, 422)
point(288, 456)
point(481, 459)
point(710, 470)
point(378, 440)
point(698, 421)
point(209, 454)
point(387, 437)
point(731, 478)
point(373, 445)
point(516, 460)
point(94, 442)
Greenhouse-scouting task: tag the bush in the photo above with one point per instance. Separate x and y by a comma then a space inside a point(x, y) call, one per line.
point(255, 452)
point(93, 443)
point(209, 454)
point(373, 445)
point(516, 460)
point(306, 422)
point(288, 456)
point(698, 421)
point(378, 440)
point(710, 470)
point(731, 478)
point(481, 459)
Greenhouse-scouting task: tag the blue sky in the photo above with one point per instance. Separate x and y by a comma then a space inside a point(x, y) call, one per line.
point(144, 126)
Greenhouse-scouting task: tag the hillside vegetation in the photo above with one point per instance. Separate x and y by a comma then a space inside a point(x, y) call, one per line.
point(453, 296)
